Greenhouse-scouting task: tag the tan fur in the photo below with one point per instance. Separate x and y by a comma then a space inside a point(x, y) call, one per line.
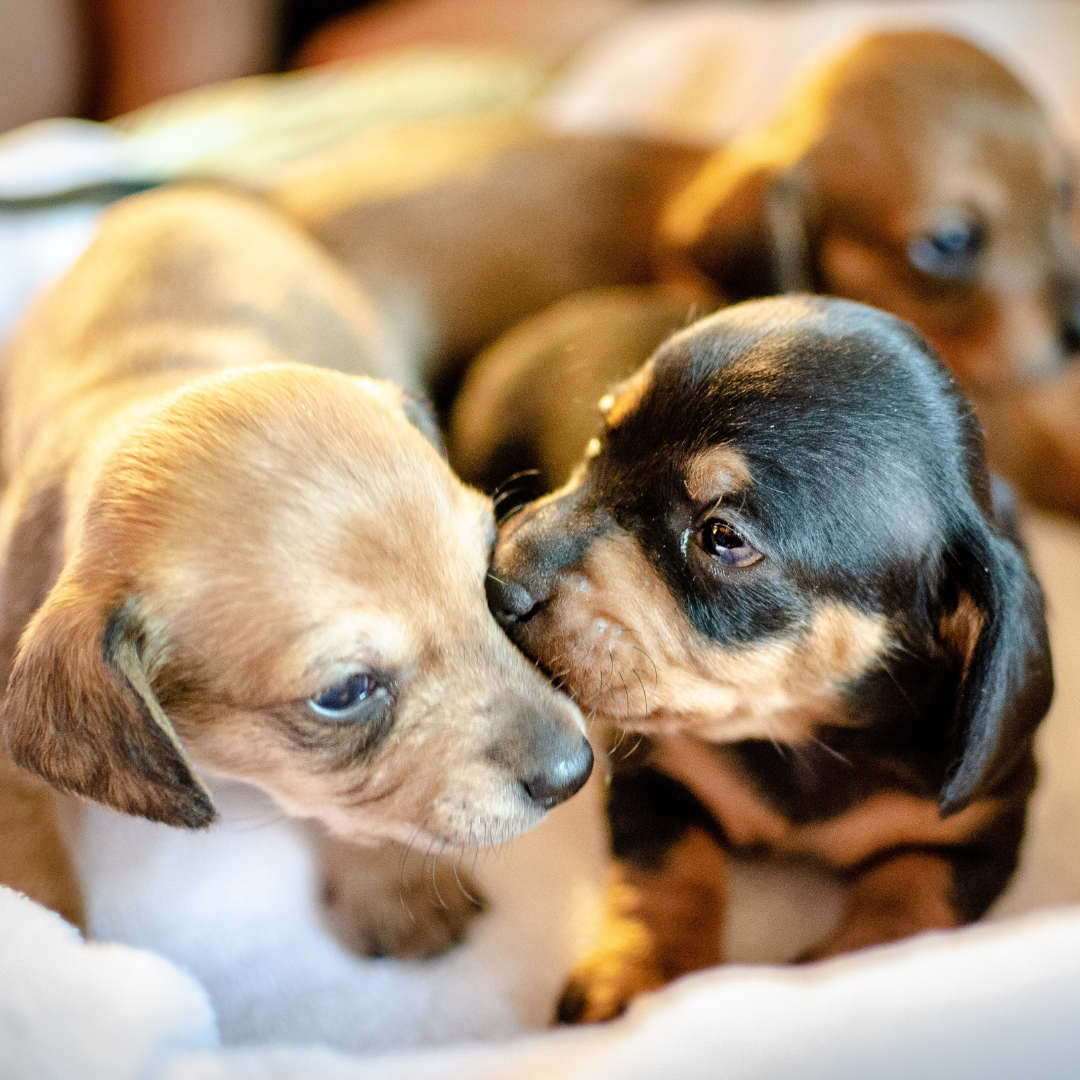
point(616, 406)
point(872, 150)
point(905, 895)
point(200, 535)
point(658, 924)
point(716, 472)
point(396, 901)
point(885, 820)
point(622, 642)
point(463, 228)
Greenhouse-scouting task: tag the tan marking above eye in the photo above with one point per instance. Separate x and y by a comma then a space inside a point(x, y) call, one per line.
point(716, 472)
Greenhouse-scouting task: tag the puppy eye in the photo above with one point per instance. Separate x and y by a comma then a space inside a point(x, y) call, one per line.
point(951, 251)
point(725, 545)
point(347, 700)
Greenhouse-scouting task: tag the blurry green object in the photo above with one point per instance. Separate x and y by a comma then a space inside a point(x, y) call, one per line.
point(247, 129)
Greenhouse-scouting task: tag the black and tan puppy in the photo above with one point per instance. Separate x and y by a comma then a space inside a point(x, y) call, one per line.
point(782, 565)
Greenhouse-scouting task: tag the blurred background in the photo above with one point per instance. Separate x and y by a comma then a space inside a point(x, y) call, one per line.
point(101, 58)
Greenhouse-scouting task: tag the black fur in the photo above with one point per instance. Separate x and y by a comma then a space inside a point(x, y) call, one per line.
point(870, 488)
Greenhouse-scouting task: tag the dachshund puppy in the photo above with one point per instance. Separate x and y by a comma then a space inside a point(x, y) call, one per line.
point(916, 174)
point(782, 566)
point(226, 551)
point(460, 229)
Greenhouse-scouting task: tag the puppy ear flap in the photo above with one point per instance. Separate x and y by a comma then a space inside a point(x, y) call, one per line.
point(745, 228)
point(998, 630)
point(80, 713)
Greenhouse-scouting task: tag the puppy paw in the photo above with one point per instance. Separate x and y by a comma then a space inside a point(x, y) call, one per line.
point(389, 902)
point(603, 984)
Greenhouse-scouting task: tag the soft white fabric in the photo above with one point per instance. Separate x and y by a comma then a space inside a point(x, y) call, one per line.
point(989, 1003)
point(93, 1012)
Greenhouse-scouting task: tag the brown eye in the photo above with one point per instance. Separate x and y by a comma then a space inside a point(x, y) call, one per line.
point(727, 546)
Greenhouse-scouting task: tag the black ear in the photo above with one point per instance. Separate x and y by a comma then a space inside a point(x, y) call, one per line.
point(80, 713)
point(999, 627)
point(744, 228)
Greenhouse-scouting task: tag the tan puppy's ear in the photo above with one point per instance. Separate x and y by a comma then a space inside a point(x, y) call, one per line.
point(743, 225)
point(80, 713)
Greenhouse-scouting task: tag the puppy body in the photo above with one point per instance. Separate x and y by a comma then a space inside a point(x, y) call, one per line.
point(216, 541)
point(781, 567)
point(460, 230)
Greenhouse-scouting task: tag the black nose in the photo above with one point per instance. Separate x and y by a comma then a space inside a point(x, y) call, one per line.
point(509, 600)
point(560, 779)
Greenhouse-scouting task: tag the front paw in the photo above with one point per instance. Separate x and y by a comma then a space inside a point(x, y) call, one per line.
point(603, 984)
point(389, 902)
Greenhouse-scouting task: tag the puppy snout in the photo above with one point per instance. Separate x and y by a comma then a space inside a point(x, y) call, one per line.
point(509, 600)
point(534, 551)
point(561, 777)
point(546, 755)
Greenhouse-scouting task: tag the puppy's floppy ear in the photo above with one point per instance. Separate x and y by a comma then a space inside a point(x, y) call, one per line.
point(999, 629)
point(80, 713)
point(744, 226)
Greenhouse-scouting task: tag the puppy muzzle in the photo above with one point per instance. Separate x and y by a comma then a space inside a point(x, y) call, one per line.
point(549, 759)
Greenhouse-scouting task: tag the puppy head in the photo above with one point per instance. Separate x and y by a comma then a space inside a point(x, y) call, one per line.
point(913, 173)
point(787, 510)
point(277, 578)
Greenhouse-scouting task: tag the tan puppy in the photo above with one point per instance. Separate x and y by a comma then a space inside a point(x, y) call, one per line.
point(217, 559)
point(916, 174)
point(459, 229)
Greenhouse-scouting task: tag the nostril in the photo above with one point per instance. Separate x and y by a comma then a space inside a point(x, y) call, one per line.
point(509, 601)
point(561, 779)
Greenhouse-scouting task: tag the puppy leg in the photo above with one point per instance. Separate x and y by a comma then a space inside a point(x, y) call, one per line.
point(33, 858)
point(389, 901)
point(665, 901)
point(893, 899)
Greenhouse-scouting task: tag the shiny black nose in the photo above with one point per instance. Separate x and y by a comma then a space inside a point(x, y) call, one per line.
point(561, 778)
point(509, 601)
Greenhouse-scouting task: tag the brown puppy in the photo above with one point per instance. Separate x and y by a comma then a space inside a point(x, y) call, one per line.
point(226, 551)
point(916, 174)
point(461, 229)
point(783, 567)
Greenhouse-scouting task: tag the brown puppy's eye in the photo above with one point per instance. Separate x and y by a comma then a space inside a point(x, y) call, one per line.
point(951, 251)
point(354, 699)
point(725, 545)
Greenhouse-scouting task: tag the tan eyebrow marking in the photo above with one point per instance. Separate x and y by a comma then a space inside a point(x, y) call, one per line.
point(716, 472)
